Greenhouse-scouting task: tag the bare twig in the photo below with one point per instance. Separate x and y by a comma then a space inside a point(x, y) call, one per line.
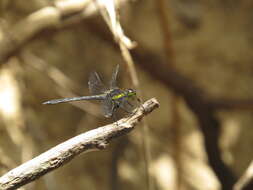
point(117, 154)
point(246, 181)
point(95, 139)
point(111, 17)
point(145, 128)
point(163, 16)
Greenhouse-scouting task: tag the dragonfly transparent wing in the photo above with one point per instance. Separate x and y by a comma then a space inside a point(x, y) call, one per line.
point(96, 86)
point(127, 106)
point(113, 82)
point(107, 107)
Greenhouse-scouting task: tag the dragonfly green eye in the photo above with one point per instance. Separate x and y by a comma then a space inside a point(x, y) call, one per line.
point(131, 92)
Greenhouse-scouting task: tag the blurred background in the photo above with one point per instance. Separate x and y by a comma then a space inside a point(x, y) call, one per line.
point(194, 56)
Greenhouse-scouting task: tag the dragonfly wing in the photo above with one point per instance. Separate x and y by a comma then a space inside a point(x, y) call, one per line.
point(113, 82)
point(107, 107)
point(127, 106)
point(96, 86)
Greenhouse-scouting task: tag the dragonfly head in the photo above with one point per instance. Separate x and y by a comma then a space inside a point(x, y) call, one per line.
point(131, 92)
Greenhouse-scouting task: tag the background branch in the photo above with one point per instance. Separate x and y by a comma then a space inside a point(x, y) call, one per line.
point(246, 181)
point(196, 99)
point(175, 124)
point(64, 14)
point(56, 16)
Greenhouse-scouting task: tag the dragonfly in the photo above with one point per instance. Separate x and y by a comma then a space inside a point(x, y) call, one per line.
point(112, 98)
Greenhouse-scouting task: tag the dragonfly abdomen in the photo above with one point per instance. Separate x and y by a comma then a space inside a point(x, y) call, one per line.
point(63, 100)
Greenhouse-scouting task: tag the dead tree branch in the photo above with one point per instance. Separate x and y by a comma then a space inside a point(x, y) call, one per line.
point(96, 139)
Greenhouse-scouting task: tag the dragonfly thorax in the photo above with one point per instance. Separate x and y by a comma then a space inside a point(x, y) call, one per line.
point(118, 94)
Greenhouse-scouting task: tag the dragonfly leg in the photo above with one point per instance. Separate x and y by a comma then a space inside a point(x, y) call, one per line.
point(114, 108)
point(129, 104)
point(130, 113)
point(126, 110)
point(140, 103)
point(114, 118)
